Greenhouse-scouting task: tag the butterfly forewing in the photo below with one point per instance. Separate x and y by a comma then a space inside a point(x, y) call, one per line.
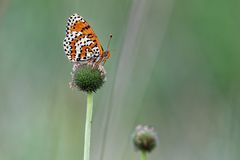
point(81, 43)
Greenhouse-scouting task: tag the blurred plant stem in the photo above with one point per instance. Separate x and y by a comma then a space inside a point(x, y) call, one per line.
point(143, 155)
point(88, 126)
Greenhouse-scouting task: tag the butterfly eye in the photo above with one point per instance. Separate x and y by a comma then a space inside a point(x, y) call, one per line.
point(105, 53)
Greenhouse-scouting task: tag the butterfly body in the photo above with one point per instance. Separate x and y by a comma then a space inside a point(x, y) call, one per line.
point(81, 43)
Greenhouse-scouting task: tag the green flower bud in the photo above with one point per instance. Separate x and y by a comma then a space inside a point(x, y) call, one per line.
point(87, 78)
point(144, 138)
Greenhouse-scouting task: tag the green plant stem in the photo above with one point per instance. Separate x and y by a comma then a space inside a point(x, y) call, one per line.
point(143, 155)
point(88, 126)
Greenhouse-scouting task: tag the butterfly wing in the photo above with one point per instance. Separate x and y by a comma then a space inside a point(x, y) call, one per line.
point(81, 43)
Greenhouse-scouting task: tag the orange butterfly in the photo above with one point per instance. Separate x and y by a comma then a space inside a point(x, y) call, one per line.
point(81, 43)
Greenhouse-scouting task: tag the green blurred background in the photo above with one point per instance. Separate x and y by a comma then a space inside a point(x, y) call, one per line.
point(175, 65)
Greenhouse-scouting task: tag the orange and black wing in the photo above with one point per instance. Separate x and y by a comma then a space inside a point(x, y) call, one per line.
point(81, 43)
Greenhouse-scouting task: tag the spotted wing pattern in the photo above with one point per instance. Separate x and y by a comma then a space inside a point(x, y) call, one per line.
point(81, 43)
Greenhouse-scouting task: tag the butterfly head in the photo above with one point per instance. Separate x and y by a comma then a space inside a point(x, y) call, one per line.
point(106, 55)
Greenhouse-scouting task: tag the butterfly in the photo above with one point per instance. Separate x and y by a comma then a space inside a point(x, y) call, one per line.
point(81, 44)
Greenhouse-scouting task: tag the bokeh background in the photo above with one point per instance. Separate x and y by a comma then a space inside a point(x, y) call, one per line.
point(175, 66)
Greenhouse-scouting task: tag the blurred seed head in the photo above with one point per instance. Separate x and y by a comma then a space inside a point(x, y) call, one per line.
point(87, 77)
point(144, 138)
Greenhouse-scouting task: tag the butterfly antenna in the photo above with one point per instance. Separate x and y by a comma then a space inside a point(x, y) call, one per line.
point(108, 46)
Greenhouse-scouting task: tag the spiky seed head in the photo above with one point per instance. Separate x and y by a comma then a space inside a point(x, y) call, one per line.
point(88, 78)
point(144, 138)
